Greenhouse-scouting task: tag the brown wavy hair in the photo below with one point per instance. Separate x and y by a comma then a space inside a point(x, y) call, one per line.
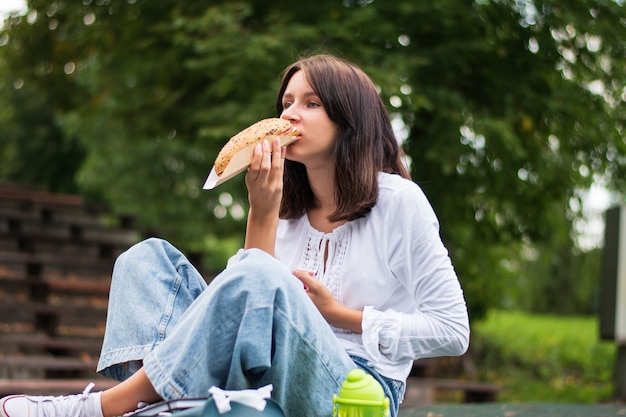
point(365, 144)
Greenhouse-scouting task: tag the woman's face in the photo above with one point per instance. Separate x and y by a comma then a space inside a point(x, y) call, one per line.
point(306, 112)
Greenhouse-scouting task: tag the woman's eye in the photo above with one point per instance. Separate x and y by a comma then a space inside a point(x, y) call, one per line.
point(314, 104)
point(286, 105)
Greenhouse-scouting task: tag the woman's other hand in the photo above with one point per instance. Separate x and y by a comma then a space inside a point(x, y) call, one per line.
point(333, 311)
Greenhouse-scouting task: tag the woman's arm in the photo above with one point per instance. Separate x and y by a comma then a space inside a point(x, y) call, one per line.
point(265, 189)
point(417, 257)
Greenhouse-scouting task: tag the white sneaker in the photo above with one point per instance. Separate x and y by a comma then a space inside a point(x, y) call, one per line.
point(79, 405)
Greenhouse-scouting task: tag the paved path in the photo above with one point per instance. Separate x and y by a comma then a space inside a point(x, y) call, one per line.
point(517, 410)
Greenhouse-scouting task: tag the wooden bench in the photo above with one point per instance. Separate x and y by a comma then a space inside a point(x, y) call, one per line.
point(56, 258)
point(424, 391)
point(427, 384)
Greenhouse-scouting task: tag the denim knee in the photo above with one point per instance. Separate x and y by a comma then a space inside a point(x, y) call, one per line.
point(259, 266)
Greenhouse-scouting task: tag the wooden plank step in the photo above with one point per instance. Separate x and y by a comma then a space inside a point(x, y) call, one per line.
point(49, 207)
point(47, 363)
point(52, 386)
point(15, 283)
point(67, 234)
point(62, 247)
point(71, 346)
point(21, 193)
point(50, 317)
point(13, 307)
point(48, 260)
point(80, 286)
point(24, 213)
point(11, 280)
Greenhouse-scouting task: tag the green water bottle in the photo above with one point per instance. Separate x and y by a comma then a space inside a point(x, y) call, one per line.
point(360, 396)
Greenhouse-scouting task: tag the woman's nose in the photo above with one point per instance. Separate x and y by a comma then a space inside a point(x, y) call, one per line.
point(289, 114)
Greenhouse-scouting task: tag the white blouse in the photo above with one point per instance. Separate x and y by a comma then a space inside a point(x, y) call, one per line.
point(392, 265)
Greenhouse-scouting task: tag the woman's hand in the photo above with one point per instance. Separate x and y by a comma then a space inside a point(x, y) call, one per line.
point(333, 311)
point(265, 191)
point(265, 178)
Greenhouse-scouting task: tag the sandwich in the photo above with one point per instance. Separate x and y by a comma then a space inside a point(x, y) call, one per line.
point(252, 135)
point(236, 155)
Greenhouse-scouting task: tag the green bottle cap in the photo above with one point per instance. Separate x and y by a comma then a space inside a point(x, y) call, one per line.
point(361, 390)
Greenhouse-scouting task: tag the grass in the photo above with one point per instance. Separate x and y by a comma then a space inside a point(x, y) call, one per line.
point(544, 358)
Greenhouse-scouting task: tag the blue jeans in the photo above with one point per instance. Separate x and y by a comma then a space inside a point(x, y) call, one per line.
point(253, 325)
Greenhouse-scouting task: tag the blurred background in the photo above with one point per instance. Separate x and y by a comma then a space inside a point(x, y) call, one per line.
point(511, 113)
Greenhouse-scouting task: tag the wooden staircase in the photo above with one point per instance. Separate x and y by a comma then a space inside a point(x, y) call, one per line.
point(56, 258)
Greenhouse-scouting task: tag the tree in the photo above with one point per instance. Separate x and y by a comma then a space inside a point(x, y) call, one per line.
point(505, 108)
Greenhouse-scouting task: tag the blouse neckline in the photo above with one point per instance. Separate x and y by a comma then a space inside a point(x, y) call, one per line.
point(337, 231)
point(336, 245)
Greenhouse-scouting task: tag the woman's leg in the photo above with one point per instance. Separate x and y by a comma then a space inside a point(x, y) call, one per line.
point(254, 325)
point(126, 396)
point(153, 285)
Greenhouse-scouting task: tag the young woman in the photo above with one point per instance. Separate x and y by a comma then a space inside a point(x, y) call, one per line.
point(342, 268)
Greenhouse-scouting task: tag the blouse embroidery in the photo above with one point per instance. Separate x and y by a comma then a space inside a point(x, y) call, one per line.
point(335, 244)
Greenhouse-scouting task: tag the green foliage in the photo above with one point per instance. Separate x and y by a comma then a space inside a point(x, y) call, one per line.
point(544, 358)
point(555, 280)
point(506, 108)
point(34, 149)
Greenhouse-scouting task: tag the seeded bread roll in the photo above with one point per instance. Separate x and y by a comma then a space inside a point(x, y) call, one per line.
point(251, 135)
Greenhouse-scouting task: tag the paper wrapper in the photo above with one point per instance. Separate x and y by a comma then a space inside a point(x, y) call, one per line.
point(240, 162)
